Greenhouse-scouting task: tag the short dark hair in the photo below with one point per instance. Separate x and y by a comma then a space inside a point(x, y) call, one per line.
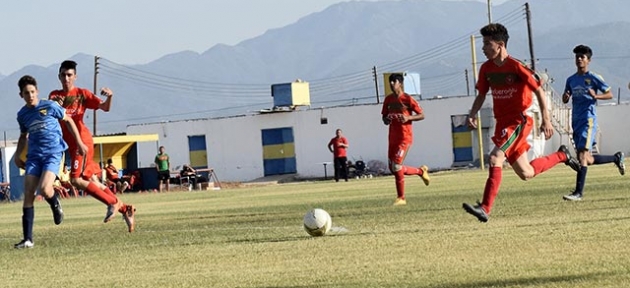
point(109, 161)
point(396, 76)
point(26, 80)
point(67, 65)
point(583, 49)
point(496, 32)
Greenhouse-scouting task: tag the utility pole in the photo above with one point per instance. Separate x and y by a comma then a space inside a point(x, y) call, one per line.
point(96, 58)
point(489, 12)
point(467, 82)
point(479, 134)
point(528, 14)
point(378, 100)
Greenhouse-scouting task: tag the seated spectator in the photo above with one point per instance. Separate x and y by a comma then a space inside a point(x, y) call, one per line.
point(63, 181)
point(190, 173)
point(112, 176)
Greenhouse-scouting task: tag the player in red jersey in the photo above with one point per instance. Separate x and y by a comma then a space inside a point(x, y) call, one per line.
point(399, 111)
point(512, 84)
point(76, 100)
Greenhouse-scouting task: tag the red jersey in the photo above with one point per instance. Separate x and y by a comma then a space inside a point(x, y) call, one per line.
point(403, 104)
point(76, 101)
point(112, 172)
point(338, 150)
point(512, 85)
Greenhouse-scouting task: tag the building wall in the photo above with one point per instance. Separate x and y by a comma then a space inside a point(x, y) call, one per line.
point(235, 146)
point(235, 143)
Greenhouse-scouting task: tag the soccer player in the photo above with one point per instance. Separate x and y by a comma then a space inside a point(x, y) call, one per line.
point(112, 175)
point(399, 111)
point(512, 84)
point(39, 122)
point(582, 87)
point(76, 100)
point(163, 166)
point(338, 145)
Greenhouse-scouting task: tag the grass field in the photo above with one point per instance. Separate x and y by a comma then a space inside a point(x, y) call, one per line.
point(253, 237)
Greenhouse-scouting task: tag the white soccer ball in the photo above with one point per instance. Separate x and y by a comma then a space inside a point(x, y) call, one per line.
point(317, 222)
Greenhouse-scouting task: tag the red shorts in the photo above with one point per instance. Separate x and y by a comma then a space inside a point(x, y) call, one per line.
point(397, 152)
point(511, 137)
point(83, 166)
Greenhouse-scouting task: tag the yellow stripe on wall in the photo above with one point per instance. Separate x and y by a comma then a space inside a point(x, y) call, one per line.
point(278, 151)
point(462, 139)
point(199, 158)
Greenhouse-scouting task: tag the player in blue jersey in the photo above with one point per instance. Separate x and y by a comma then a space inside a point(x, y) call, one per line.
point(39, 123)
point(582, 88)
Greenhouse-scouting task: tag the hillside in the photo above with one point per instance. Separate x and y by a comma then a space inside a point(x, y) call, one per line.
point(335, 50)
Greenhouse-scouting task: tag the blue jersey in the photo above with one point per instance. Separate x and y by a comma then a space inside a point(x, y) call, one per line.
point(42, 125)
point(583, 103)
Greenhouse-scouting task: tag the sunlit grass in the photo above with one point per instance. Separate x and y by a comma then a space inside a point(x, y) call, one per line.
point(253, 237)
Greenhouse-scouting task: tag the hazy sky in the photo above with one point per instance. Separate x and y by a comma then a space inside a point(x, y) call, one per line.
point(44, 32)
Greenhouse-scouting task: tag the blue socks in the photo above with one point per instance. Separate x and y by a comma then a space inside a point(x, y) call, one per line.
point(28, 215)
point(580, 180)
point(603, 159)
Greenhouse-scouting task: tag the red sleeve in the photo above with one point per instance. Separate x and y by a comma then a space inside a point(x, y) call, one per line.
point(530, 77)
point(344, 140)
point(384, 110)
point(414, 106)
point(482, 81)
point(91, 101)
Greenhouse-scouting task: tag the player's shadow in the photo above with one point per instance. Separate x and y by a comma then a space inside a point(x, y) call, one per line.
point(527, 281)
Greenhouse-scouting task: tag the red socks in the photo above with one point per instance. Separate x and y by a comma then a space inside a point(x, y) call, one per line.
point(105, 197)
point(492, 188)
point(543, 164)
point(408, 170)
point(399, 176)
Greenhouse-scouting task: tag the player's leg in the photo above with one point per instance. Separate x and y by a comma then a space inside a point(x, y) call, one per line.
point(396, 155)
point(495, 174)
point(33, 170)
point(422, 171)
point(583, 137)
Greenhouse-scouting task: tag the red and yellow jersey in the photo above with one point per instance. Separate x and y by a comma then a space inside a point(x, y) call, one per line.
point(394, 105)
point(76, 101)
point(512, 85)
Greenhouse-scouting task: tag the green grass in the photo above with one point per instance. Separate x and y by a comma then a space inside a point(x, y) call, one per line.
point(253, 237)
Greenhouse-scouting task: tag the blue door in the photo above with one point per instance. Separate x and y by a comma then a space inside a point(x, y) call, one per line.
point(462, 141)
point(278, 151)
point(197, 151)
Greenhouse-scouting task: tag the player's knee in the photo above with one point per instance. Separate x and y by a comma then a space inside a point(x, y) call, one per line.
point(525, 175)
point(396, 167)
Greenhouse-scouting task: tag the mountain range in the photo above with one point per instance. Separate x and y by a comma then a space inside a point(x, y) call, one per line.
point(336, 50)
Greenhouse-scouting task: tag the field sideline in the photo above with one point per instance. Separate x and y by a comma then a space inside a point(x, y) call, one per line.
point(253, 237)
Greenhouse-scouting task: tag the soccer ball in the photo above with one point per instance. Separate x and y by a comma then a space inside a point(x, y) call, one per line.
point(317, 222)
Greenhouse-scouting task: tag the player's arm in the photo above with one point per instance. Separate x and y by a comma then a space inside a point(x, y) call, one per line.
point(472, 116)
point(604, 96)
point(414, 117)
point(567, 93)
point(106, 105)
point(67, 120)
point(330, 146)
point(20, 148)
point(545, 126)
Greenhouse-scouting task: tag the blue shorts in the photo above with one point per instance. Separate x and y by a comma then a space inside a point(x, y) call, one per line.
point(37, 165)
point(584, 135)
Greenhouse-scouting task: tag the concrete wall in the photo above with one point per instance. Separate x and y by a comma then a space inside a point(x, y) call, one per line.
point(234, 144)
point(235, 147)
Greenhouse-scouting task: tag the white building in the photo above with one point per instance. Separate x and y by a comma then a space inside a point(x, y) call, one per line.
point(233, 146)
